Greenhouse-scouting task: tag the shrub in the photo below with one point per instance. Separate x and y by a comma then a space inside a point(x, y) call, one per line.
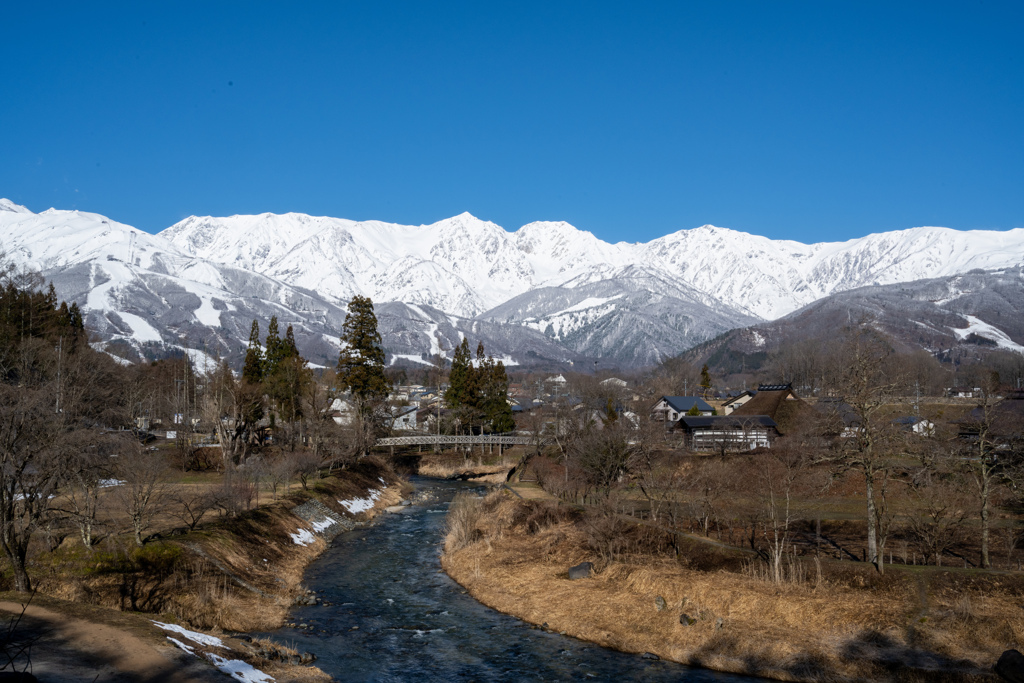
point(461, 523)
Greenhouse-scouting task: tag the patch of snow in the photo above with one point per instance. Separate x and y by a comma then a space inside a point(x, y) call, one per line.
point(303, 537)
point(187, 648)
point(983, 329)
point(202, 362)
point(589, 302)
point(194, 636)
point(357, 505)
point(326, 523)
point(142, 331)
point(206, 313)
point(239, 670)
point(758, 338)
point(411, 357)
point(108, 483)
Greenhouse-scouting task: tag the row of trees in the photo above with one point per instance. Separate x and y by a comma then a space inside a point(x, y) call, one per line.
point(478, 393)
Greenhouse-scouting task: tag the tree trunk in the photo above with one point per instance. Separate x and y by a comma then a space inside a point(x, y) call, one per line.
point(984, 522)
point(872, 518)
point(16, 556)
point(22, 584)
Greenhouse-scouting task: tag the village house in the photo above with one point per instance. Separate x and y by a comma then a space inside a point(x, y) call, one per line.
point(731, 404)
point(669, 409)
point(728, 432)
point(781, 404)
point(404, 417)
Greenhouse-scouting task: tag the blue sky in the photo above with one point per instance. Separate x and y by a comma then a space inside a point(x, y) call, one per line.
point(809, 121)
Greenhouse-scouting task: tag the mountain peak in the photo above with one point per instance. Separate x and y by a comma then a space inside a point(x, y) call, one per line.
point(8, 205)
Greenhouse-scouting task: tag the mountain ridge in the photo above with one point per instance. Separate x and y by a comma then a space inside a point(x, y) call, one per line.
point(567, 295)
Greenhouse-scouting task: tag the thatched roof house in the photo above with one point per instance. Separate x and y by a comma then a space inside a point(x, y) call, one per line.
point(781, 404)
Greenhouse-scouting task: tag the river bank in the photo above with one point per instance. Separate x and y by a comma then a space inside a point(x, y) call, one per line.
point(702, 609)
point(236, 574)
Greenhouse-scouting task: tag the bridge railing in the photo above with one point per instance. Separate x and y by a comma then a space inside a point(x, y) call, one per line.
point(457, 439)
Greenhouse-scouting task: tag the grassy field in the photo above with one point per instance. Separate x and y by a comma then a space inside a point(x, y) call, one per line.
point(827, 621)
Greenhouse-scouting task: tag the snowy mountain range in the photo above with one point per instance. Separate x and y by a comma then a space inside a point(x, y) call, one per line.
point(545, 294)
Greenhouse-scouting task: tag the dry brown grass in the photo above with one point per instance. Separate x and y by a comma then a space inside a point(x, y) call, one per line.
point(450, 465)
point(235, 574)
point(789, 632)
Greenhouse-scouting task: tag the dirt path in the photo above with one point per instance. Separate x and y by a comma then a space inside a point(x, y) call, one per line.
point(71, 649)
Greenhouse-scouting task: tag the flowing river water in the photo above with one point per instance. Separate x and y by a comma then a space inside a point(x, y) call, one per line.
point(395, 616)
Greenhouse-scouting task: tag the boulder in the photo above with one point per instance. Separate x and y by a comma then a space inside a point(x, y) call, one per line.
point(659, 603)
point(651, 656)
point(584, 570)
point(1010, 666)
point(686, 620)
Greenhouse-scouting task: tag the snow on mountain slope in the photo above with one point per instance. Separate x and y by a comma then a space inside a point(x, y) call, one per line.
point(572, 294)
point(143, 294)
point(465, 265)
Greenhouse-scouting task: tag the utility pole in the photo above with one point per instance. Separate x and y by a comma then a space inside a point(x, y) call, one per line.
point(60, 359)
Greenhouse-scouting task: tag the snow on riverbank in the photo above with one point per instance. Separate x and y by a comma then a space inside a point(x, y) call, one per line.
point(303, 537)
point(357, 505)
point(194, 636)
point(236, 668)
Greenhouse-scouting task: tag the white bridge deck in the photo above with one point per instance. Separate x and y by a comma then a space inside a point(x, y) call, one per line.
point(451, 439)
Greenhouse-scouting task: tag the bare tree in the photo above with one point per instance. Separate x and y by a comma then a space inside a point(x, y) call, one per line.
point(88, 472)
point(938, 522)
point(981, 456)
point(307, 466)
point(779, 475)
point(865, 437)
point(605, 454)
point(281, 472)
point(32, 437)
point(143, 475)
point(191, 505)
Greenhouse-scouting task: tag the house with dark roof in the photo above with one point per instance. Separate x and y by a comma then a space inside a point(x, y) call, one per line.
point(781, 404)
point(736, 401)
point(728, 432)
point(1005, 420)
point(670, 408)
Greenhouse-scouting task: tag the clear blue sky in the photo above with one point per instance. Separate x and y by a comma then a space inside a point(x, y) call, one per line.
point(809, 121)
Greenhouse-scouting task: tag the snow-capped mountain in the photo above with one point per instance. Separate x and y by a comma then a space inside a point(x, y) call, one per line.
point(466, 266)
point(547, 293)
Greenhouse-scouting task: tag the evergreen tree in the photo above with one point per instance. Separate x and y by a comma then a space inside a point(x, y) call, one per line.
point(252, 370)
point(290, 349)
point(274, 349)
point(361, 362)
point(705, 381)
point(460, 377)
point(289, 379)
point(498, 411)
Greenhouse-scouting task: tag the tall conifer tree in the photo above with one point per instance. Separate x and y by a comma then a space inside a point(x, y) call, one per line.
point(252, 370)
point(274, 349)
point(459, 378)
point(361, 361)
point(496, 406)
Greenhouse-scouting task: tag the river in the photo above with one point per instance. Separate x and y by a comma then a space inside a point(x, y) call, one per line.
point(395, 616)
